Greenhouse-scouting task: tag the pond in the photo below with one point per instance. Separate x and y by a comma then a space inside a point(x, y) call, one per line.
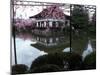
point(30, 46)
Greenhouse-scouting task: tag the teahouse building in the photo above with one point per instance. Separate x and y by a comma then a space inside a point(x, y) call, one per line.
point(51, 18)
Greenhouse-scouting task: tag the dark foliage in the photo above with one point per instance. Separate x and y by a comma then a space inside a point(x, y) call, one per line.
point(73, 61)
point(92, 25)
point(19, 69)
point(45, 68)
point(90, 61)
point(48, 59)
point(79, 17)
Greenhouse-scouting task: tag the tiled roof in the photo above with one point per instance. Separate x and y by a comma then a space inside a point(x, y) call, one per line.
point(51, 12)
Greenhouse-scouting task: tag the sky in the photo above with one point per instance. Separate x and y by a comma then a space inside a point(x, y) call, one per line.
point(26, 11)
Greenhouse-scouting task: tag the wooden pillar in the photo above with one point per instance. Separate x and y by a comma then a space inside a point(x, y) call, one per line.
point(40, 25)
point(56, 23)
point(47, 24)
point(44, 24)
point(50, 24)
point(37, 24)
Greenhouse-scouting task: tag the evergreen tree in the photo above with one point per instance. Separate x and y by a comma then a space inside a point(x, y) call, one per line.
point(94, 18)
point(79, 17)
point(92, 27)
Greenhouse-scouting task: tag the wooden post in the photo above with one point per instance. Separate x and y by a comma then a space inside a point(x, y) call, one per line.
point(14, 45)
point(13, 32)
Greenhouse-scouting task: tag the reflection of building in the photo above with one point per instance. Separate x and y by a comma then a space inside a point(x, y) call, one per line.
point(54, 43)
point(88, 50)
point(50, 41)
point(24, 36)
point(51, 18)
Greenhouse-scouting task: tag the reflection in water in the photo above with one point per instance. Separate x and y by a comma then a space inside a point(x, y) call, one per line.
point(51, 41)
point(66, 49)
point(26, 53)
point(88, 50)
point(24, 36)
point(29, 47)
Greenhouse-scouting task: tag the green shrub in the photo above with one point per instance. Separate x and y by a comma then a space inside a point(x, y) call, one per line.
point(45, 68)
point(90, 61)
point(19, 69)
point(73, 60)
point(48, 59)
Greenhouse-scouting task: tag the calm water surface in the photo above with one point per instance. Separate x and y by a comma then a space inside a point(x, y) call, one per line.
point(28, 47)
